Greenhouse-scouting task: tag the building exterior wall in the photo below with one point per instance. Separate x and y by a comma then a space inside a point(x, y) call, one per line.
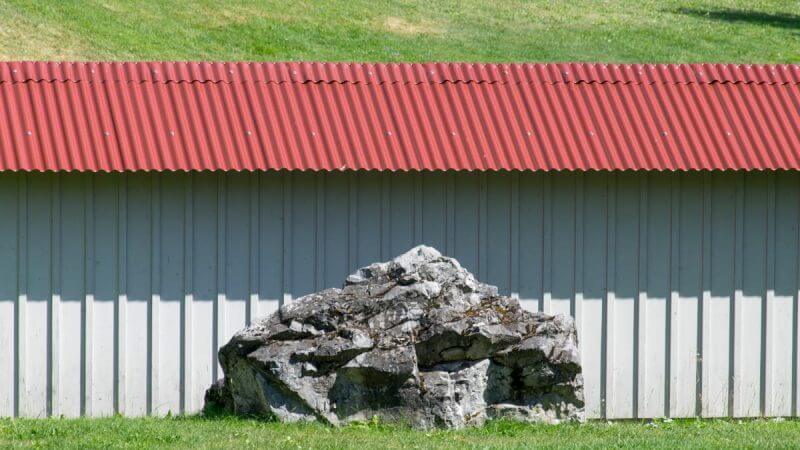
point(116, 289)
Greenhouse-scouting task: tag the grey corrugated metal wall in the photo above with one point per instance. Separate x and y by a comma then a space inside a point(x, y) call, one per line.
point(115, 290)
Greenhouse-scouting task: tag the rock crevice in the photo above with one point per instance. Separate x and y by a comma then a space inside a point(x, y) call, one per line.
point(417, 340)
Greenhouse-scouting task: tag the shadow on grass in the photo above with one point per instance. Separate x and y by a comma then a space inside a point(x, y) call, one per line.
point(776, 20)
point(217, 413)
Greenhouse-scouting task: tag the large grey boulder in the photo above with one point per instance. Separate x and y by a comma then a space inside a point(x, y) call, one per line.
point(418, 340)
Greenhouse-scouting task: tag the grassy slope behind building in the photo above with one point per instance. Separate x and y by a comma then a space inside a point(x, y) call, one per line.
point(409, 30)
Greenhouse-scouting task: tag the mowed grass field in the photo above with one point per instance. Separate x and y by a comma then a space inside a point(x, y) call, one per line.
point(198, 433)
point(744, 31)
point(751, 31)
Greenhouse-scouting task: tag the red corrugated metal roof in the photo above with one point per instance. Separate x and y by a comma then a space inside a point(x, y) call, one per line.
point(326, 116)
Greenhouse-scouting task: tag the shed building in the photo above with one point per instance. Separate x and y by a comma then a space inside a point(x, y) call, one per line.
point(150, 210)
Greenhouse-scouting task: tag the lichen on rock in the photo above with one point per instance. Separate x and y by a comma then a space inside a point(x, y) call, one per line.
point(416, 340)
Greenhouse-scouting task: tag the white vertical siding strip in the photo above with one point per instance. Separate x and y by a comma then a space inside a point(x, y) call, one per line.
point(54, 313)
point(88, 322)
point(352, 223)
point(607, 390)
point(640, 383)
point(769, 302)
point(547, 244)
point(21, 337)
point(577, 301)
point(795, 387)
point(9, 210)
point(187, 403)
point(704, 339)
point(591, 335)
point(287, 239)
point(514, 231)
point(672, 387)
point(153, 398)
point(221, 266)
point(685, 322)
point(38, 368)
point(483, 228)
point(580, 231)
point(254, 249)
point(319, 234)
point(755, 233)
point(450, 214)
point(735, 408)
point(418, 202)
point(386, 221)
point(120, 326)
point(720, 238)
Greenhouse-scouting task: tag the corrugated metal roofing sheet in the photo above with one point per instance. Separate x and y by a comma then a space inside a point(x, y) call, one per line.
point(324, 116)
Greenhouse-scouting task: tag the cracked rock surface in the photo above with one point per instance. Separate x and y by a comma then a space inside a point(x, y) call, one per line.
point(417, 340)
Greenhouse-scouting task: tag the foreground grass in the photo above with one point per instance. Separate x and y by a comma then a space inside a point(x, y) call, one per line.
point(409, 30)
point(201, 433)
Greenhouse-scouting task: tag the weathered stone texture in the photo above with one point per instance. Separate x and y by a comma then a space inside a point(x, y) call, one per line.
point(417, 339)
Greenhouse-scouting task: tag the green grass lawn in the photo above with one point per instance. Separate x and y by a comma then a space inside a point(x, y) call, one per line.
point(200, 433)
point(407, 30)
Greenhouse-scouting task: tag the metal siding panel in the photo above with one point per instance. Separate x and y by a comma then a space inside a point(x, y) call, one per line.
point(105, 289)
point(303, 234)
point(368, 205)
point(497, 240)
point(270, 239)
point(434, 207)
point(717, 363)
point(662, 257)
point(592, 328)
point(686, 319)
point(782, 284)
point(402, 213)
point(531, 219)
point(625, 287)
point(750, 309)
point(71, 266)
point(136, 341)
point(237, 260)
point(335, 228)
point(562, 243)
point(202, 345)
point(466, 220)
point(9, 246)
point(171, 295)
point(36, 358)
point(654, 386)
